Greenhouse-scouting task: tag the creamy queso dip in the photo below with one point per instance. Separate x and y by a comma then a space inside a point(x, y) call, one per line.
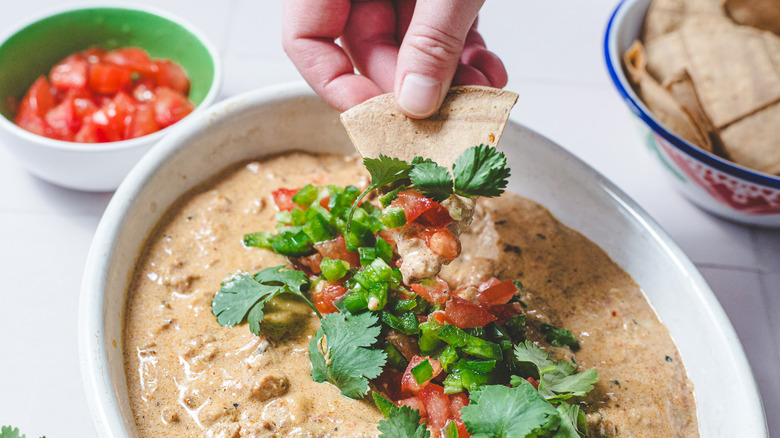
point(190, 377)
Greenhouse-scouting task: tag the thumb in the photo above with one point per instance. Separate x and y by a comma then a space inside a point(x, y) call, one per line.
point(429, 53)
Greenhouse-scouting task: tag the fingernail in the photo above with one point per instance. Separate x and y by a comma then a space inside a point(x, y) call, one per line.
point(419, 95)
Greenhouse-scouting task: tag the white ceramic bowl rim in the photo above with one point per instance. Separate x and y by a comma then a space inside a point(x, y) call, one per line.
point(614, 66)
point(112, 146)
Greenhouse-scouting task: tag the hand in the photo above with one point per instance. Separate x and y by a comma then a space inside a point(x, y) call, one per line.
point(415, 49)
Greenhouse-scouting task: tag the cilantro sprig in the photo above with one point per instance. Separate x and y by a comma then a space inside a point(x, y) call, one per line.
point(11, 432)
point(557, 380)
point(400, 421)
point(502, 412)
point(479, 171)
point(341, 353)
point(243, 296)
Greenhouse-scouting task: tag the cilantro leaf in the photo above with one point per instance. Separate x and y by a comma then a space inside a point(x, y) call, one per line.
point(572, 418)
point(559, 337)
point(433, 181)
point(11, 432)
point(383, 170)
point(562, 383)
point(480, 171)
point(502, 412)
point(339, 352)
point(557, 381)
point(401, 422)
point(243, 296)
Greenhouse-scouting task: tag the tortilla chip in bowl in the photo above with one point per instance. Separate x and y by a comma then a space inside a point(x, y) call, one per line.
point(715, 131)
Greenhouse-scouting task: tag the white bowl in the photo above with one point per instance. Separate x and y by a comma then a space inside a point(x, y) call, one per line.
point(34, 46)
point(713, 183)
point(276, 119)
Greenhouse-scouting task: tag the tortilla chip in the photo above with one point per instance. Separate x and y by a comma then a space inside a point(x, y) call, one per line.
point(684, 92)
point(755, 141)
point(763, 14)
point(734, 71)
point(666, 16)
point(660, 102)
point(666, 57)
point(469, 116)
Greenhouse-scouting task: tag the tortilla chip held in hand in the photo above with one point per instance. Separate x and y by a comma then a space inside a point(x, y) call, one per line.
point(469, 116)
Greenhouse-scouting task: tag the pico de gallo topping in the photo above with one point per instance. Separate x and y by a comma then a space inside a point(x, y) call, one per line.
point(438, 361)
point(97, 96)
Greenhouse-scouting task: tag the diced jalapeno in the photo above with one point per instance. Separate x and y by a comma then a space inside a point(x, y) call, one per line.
point(334, 269)
point(393, 217)
point(292, 244)
point(318, 229)
point(422, 372)
point(259, 239)
point(306, 195)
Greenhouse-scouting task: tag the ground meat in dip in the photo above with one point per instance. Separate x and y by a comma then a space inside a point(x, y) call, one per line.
point(190, 377)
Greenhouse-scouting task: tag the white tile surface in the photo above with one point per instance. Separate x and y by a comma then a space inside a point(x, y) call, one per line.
point(552, 49)
point(739, 292)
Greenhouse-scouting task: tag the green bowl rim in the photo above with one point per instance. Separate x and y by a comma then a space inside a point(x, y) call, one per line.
point(113, 146)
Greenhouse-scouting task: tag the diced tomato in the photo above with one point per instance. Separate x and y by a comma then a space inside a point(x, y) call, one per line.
point(437, 404)
point(70, 73)
point(492, 281)
point(283, 198)
point(30, 121)
point(325, 294)
point(337, 249)
point(63, 121)
point(438, 316)
point(498, 293)
point(457, 401)
point(324, 202)
point(133, 58)
point(107, 78)
point(172, 75)
point(143, 122)
point(436, 216)
point(414, 402)
point(505, 311)
point(170, 106)
point(94, 55)
point(435, 291)
point(143, 91)
point(34, 106)
point(40, 97)
point(463, 313)
point(408, 384)
point(112, 118)
point(415, 204)
point(88, 132)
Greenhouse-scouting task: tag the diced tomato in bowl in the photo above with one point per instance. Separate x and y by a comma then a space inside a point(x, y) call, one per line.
point(97, 96)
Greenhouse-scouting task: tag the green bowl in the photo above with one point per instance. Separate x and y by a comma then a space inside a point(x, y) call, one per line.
point(36, 48)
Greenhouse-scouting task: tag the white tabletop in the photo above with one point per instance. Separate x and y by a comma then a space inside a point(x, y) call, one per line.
point(552, 50)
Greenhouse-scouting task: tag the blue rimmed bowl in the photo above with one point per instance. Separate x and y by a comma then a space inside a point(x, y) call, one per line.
point(713, 183)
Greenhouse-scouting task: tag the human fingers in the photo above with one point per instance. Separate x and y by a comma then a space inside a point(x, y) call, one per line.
point(478, 57)
point(371, 42)
point(309, 31)
point(429, 53)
